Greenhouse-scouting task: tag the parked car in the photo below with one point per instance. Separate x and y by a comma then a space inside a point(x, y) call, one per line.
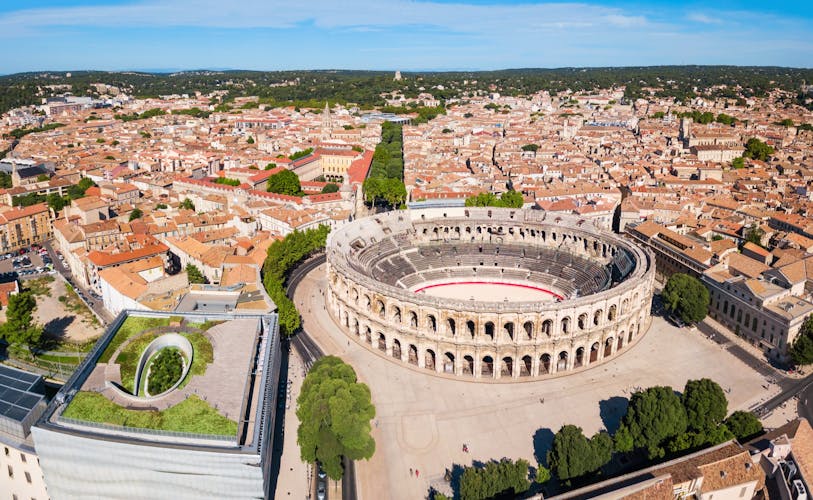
point(676, 321)
point(321, 490)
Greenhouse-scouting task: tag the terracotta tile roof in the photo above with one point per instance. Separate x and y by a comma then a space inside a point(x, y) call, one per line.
point(746, 265)
point(104, 259)
point(23, 212)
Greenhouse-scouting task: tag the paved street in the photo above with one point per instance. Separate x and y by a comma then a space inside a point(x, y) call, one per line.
point(96, 305)
point(423, 420)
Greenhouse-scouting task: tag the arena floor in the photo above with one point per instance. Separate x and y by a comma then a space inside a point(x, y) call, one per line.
point(488, 291)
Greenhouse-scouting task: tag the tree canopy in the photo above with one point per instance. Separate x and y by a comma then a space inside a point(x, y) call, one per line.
point(509, 199)
point(194, 275)
point(687, 297)
point(705, 403)
point(801, 351)
point(330, 188)
point(505, 477)
point(385, 183)
point(572, 455)
point(334, 411)
point(285, 182)
point(19, 328)
point(187, 204)
point(744, 425)
point(757, 149)
point(654, 416)
point(136, 214)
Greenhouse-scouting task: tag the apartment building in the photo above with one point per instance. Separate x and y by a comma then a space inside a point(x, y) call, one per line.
point(24, 226)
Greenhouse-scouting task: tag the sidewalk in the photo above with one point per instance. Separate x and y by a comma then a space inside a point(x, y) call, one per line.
point(294, 475)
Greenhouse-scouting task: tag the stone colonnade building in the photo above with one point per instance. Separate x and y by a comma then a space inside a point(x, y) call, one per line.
point(600, 286)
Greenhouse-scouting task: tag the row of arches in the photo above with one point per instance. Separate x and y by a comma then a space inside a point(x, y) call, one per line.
point(455, 326)
point(491, 365)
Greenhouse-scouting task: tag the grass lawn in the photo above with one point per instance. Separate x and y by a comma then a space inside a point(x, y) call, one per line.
point(40, 286)
point(131, 326)
point(191, 415)
point(129, 356)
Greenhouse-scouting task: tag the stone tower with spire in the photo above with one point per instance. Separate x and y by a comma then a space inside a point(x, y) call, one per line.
point(327, 124)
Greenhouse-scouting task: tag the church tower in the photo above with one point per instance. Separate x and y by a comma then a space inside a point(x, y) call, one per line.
point(327, 124)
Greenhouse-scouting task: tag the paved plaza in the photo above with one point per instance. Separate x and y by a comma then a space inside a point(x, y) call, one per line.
point(423, 420)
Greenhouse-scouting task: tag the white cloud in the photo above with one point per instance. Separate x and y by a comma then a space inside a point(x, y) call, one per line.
point(703, 18)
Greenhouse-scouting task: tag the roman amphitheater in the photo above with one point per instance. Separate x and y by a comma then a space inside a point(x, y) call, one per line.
point(488, 293)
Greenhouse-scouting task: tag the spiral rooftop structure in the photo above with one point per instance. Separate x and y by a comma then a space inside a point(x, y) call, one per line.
point(488, 293)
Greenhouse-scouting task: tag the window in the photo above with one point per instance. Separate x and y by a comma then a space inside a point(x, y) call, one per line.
point(22, 457)
point(10, 471)
point(28, 477)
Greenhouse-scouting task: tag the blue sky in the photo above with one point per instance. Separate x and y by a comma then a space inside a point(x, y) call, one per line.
point(398, 34)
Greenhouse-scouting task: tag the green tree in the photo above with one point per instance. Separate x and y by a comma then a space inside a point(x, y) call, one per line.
point(757, 149)
point(531, 147)
point(572, 455)
point(330, 188)
point(705, 403)
point(654, 416)
point(301, 154)
point(754, 235)
point(285, 182)
point(5, 180)
point(687, 297)
point(136, 214)
point(801, 350)
point(56, 202)
point(511, 199)
point(43, 178)
point(226, 181)
point(194, 275)
point(250, 140)
point(482, 200)
point(165, 370)
point(334, 411)
point(19, 329)
point(542, 475)
point(495, 479)
point(738, 162)
point(187, 204)
point(744, 425)
point(270, 166)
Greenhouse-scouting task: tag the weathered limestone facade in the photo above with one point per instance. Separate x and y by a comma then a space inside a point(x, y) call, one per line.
point(374, 263)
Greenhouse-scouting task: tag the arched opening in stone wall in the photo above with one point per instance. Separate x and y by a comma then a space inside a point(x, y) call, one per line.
point(525, 367)
point(470, 328)
point(594, 352)
point(368, 336)
point(582, 321)
point(597, 317)
point(529, 330)
point(487, 367)
point(544, 364)
point(611, 313)
point(507, 367)
point(413, 319)
point(412, 357)
point(489, 330)
point(608, 347)
point(561, 364)
point(547, 326)
point(624, 305)
point(431, 323)
point(396, 349)
point(620, 341)
point(396, 314)
point(429, 360)
point(565, 325)
point(382, 342)
point(509, 330)
point(451, 326)
point(380, 309)
point(468, 365)
point(579, 361)
point(448, 363)
point(356, 326)
point(367, 304)
point(629, 339)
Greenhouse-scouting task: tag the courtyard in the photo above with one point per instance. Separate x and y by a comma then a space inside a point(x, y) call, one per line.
point(423, 420)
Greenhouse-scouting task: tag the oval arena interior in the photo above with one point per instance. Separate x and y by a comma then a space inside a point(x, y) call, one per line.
point(488, 293)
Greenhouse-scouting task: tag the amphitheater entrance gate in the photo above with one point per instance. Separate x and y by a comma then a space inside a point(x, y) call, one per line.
point(620, 341)
point(544, 364)
point(594, 352)
point(429, 360)
point(487, 368)
point(608, 347)
point(507, 367)
point(561, 364)
point(396, 349)
point(525, 367)
point(579, 361)
point(468, 365)
point(412, 358)
point(382, 342)
point(448, 363)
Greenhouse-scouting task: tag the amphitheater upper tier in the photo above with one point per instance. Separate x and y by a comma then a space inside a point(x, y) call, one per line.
point(487, 292)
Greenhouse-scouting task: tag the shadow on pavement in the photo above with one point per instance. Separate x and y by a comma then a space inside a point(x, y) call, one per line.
point(612, 410)
point(543, 440)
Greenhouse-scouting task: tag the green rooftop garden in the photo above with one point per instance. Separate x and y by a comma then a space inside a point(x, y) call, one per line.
point(133, 325)
point(192, 415)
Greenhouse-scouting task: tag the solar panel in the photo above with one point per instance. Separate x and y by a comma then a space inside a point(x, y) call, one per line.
point(17, 398)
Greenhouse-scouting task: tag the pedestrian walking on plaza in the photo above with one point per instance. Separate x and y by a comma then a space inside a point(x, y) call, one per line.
point(410, 472)
point(417, 473)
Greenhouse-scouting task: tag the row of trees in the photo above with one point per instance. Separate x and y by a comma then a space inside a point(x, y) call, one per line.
point(226, 181)
point(283, 256)
point(334, 412)
point(509, 199)
point(385, 182)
